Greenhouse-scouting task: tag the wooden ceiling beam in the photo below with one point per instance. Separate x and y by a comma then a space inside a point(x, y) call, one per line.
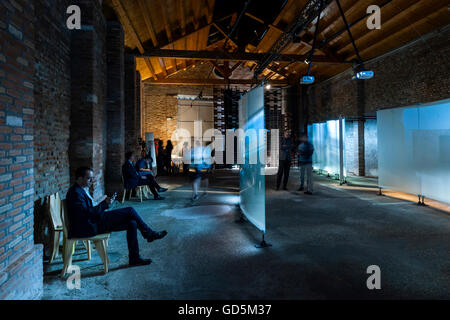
point(145, 13)
point(180, 7)
point(231, 56)
point(128, 27)
point(163, 10)
point(224, 34)
point(216, 82)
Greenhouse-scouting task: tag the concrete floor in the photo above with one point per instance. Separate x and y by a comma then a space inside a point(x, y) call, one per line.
point(322, 245)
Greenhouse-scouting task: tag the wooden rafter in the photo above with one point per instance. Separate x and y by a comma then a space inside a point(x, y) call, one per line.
point(180, 7)
point(230, 56)
point(216, 81)
point(128, 27)
point(163, 10)
point(145, 13)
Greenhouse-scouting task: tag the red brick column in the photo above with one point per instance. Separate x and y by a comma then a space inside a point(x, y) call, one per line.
point(115, 108)
point(88, 111)
point(20, 259)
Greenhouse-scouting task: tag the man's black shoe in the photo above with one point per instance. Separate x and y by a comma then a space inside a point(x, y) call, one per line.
point(162, 189)
point(300, 189)
point(157, 235)
point(284, 188)
point(158, 197)
point(140, 262)
point(307, 192)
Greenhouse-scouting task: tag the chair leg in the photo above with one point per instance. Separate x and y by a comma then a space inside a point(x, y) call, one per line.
point(101, 249)
point(87, 244)
point(140, 193)
point(67, 256)
point(55, 250)
point(124, 194)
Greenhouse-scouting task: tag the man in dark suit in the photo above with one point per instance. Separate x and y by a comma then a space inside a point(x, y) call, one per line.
point(286, 146)
point(86, 219)
point(133, 178)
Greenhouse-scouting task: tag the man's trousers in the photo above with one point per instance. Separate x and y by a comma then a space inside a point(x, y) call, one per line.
point(125, 219)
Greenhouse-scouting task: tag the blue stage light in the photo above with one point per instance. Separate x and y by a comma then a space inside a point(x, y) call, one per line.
point(366, 74)
point(307, 80)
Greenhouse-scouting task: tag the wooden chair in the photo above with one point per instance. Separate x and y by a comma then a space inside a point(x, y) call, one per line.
point(100, 242)
point(54, 210)
point(139, 191)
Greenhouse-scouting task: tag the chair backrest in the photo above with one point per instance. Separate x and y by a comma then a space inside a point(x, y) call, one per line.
point(55, 211)
point(64, 217)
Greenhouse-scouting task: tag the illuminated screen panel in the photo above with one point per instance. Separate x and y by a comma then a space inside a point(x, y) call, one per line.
point(325, 138)
point(252, 182)
point(414, 150)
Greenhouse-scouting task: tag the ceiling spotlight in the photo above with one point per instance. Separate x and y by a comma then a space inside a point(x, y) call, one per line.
point(306, 61)
point(365, 74)
point(307, 80)
point(268, 86)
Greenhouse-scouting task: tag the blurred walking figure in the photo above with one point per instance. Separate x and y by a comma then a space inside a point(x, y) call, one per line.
point(286, 146)
point(186, 155)
point(201, 161)
point(306, 150)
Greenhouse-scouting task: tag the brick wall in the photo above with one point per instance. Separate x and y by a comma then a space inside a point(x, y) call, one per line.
point(417, 73)
point(88, 91)
point(52, 109)
point(160, 103)
point(132, 106)
point(115, 106)
point(52, 99)
point(20, 258)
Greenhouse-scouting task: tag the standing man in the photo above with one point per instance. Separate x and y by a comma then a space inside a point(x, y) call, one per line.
point(306, 150)
point(87, 219)
point(286, 146)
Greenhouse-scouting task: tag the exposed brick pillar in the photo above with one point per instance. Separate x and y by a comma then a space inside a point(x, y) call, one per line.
point(88, 112)
point(21, 271)
point(115, 153)
point(132, 120)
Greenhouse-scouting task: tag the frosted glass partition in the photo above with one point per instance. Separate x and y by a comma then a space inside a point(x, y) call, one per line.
point(252, 182)
point(325, 138)
point(414, 150)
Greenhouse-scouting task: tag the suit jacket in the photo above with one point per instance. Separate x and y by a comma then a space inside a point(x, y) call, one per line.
point(130, 176)
point(83, 216)
point(286, 146)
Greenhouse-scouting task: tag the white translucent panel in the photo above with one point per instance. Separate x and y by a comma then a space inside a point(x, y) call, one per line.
point(325, 138)
point(413, 150)
point(252, 181)
point(150, 141)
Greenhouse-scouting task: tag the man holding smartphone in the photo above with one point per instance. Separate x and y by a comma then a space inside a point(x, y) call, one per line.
point(86, 218)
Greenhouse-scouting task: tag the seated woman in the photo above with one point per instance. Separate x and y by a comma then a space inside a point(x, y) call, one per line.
point(133, 178)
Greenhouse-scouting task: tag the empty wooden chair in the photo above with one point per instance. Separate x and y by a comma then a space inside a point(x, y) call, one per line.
point(56, 224)
point(100, 242)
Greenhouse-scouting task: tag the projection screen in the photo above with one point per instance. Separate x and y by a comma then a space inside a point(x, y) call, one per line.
point(325, 138)
point(414, 150)
point(252, 182)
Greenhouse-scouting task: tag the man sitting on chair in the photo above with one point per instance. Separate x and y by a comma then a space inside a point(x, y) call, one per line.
point(87, 220)
point(144, 168)
point(132, 178)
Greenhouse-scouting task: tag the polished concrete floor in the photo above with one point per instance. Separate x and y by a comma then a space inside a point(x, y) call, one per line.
point(322, 246)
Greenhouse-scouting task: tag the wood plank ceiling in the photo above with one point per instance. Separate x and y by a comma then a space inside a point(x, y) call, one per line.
point(195, 26)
